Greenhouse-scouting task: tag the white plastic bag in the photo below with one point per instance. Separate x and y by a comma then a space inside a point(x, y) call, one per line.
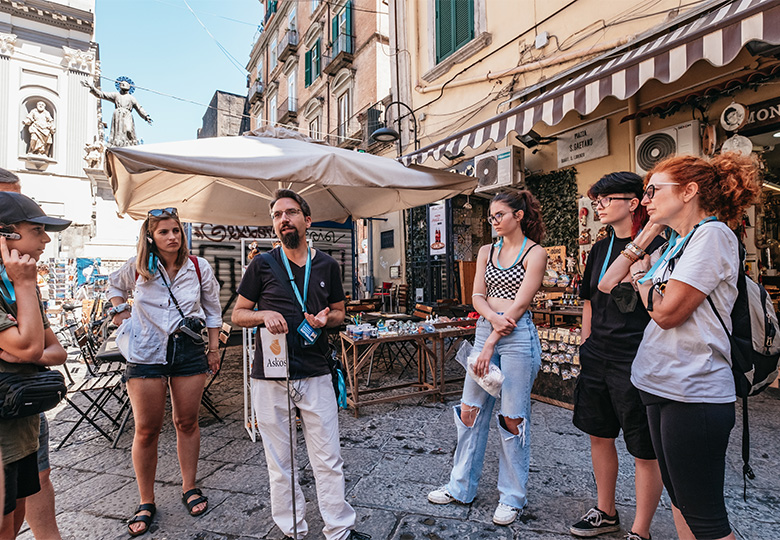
point(490, 382)
point(462, 356)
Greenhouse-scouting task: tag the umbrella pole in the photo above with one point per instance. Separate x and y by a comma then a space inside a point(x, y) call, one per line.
point(292, 452)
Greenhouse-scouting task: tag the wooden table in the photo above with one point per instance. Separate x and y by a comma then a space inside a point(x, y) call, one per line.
point(446, 342)
point(356, 354)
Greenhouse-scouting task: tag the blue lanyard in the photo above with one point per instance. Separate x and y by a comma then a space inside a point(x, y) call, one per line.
point(500, 245)
point(302, 301)
point(673, 248)
point(609, 254)
point(8, 289)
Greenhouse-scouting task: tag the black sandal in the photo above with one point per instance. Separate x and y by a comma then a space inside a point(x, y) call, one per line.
point(142, 518)
point(195, 502)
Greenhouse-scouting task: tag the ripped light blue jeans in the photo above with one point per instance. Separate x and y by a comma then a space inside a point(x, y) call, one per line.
point(519, 357)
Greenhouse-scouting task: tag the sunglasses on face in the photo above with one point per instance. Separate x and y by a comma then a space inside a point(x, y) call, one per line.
point(652, 188)
point(160, 212)
point(604, 202)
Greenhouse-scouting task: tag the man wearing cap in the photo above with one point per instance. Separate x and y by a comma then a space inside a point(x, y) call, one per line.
point(26, 342)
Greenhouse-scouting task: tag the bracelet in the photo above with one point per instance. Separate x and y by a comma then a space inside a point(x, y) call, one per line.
point(642, 272)
point(478, 294)
point(214, 350)
point(630, 256)
point(636, 250)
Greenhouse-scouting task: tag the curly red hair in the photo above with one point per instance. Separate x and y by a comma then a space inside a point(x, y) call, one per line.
point(728, 183)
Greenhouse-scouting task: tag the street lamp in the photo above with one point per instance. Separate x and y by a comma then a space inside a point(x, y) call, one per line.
point(388, 134)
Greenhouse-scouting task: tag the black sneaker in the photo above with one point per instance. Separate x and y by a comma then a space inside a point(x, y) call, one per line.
point(631, 535)
point(354, 535)
point(594, 523)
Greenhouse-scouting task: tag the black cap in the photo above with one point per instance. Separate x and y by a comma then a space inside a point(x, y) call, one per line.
point(15, 208)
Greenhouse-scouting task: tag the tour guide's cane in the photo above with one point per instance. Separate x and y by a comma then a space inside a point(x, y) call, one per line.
point(292, 451)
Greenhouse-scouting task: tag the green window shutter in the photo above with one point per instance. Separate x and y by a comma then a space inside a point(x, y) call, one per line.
point(444, 31)
point(334, 35)
point(454, 26)
point(316, 60)
point(307, 69)
point(463, 23)
point(350, 34)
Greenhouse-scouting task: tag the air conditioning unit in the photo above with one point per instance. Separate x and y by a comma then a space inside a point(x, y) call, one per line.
point(498, 169)
point(657, 145)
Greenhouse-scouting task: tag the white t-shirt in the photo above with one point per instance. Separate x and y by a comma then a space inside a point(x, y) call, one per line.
point(692, 362)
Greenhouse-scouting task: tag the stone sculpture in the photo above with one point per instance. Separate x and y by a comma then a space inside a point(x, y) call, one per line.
point(122, 125)
point(40, 125)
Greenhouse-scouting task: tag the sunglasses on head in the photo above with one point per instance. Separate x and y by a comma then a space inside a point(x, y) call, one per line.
point(159, 212)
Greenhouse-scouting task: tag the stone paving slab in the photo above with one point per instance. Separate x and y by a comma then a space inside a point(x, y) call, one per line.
point(394, 454)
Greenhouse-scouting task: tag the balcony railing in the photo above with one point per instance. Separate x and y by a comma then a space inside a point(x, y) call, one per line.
point(287, 111)
point(255, 91)
point(348, 134)
point(340, 53)
point(288, 45)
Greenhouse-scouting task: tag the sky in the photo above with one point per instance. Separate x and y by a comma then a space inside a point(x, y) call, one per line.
point(162, 47)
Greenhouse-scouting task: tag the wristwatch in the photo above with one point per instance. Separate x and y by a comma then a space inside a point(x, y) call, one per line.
point(118, 309)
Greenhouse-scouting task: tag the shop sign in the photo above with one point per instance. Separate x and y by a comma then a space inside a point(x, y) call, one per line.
point(437, 230)
point(583, 144)
point(762, 117)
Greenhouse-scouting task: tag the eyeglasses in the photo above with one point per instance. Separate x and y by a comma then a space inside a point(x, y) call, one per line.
point(604, 202)
point(159, 212)
point(291, 213)
point(652, 188)
point(496, 218)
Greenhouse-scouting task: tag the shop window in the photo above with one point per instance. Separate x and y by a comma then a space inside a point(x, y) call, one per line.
point(387, 239)
point(454, 26)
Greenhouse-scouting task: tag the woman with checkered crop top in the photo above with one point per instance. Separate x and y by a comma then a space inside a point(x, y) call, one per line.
point(508, 275)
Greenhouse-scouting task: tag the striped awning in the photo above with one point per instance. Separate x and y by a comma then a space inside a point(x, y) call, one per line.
point(717, 37)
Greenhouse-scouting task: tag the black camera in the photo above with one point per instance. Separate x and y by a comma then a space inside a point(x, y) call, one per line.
point(193, 328)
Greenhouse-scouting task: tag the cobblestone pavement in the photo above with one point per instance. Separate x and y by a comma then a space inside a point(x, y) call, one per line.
point(394, 454)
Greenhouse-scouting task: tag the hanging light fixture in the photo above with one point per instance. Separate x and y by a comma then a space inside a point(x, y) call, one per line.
point(468, 206)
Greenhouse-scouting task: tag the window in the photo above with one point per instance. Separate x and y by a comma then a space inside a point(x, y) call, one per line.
point(343, 115)
point(260, 73)
point(342, 31)
point(313, 64)
point(314, 128)
point(291, 93)
point(259, 119)
point(291, 18)
point(314, 4)
point(272, 54)
point(272, 111)
point(387, 239)
point(454, 26)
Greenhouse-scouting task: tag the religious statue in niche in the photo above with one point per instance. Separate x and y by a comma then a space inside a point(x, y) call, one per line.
point(93, 153)
point(40, 125)
point(122, 125)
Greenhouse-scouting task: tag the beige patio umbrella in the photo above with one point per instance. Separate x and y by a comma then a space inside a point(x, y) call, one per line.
point(230, 180)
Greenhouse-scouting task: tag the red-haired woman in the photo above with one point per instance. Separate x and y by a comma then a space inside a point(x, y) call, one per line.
point(508, 275)
point(683, 366)
point(168, 288)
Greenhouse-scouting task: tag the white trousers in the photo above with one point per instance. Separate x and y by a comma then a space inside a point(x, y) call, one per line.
point(316, 402)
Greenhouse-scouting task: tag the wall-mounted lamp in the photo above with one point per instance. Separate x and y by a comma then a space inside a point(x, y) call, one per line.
point(532, 139)
point(388, 134)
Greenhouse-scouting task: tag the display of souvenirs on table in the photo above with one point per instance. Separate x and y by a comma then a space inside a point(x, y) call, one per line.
point(560, 351)
point(391, 327)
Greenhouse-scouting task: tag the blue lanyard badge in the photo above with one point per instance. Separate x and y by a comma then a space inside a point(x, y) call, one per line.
point(307, 332)
point(8, 288)
point(674, 246)
point(606, 259)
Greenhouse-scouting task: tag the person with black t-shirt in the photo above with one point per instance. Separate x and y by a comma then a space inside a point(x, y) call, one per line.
point(605, 401)
point(315, 302)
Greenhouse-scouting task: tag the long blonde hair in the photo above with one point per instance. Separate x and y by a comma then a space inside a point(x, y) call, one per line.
point(146, 247)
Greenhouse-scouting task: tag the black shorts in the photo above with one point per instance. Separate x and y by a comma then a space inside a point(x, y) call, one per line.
point(605, 402)
point(21, 480)
point(183, 359)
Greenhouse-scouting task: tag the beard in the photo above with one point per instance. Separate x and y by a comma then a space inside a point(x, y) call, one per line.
point(291, 239)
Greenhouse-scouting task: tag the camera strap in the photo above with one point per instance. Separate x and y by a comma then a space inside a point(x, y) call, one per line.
point(175, 302)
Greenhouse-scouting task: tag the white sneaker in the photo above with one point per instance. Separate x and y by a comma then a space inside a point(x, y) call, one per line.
point(440, 496)
point(504, 514)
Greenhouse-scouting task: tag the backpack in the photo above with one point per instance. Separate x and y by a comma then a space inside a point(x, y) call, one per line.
point(755, 347)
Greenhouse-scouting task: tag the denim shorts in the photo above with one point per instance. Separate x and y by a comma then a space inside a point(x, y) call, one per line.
point(183, 358)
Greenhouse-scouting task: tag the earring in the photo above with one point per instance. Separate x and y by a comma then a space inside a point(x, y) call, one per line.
point(149, 239)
